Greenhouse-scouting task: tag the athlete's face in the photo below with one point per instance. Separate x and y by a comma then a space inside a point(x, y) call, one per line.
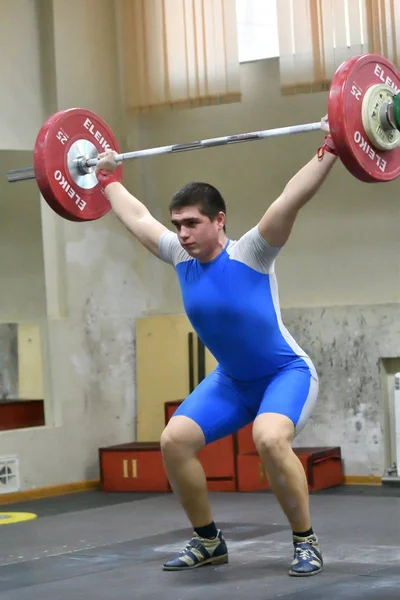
point(199, 236)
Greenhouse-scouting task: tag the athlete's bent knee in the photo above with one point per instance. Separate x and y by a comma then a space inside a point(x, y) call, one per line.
point(272, 444)
point(272, 434)
point(181, 437)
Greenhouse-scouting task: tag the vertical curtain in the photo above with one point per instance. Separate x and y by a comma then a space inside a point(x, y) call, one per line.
point(316, 36)
point(383, 28)
point(178, 53)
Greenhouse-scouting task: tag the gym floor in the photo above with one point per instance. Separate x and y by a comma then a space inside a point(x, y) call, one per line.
point(94, 545)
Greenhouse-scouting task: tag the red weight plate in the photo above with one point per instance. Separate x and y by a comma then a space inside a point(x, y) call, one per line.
point(347, 91)
point(40, 165)
point(83, 199)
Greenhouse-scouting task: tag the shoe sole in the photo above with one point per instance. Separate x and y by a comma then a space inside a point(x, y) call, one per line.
point(218, 560)
point(305, 574)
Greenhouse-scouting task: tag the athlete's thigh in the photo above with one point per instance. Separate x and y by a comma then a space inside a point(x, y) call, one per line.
point(216, 406)
point(293, 393)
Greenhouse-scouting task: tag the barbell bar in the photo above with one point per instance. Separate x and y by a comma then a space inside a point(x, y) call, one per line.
point(83, 164)
point(364, 121)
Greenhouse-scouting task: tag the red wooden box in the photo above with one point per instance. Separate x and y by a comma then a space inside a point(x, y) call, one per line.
point(323, 466)
point(17, 414)
point(223, 484)
point(245, 444)
point(218, 458)
point(170, 408)
point(133, 467)
point(251, 476)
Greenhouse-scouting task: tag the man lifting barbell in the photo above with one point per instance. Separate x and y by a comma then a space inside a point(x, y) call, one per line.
point(230, 296)
point(229, 287)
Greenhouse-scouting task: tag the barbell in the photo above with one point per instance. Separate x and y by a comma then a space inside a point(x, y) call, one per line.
point(364, 121)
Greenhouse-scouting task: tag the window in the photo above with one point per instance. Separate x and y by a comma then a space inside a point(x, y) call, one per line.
point(257, 24)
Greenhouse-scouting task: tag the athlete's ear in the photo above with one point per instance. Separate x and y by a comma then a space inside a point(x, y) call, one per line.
point(220, 220)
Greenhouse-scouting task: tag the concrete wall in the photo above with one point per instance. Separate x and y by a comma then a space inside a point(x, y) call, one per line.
point(22, 98)
point(90, 275)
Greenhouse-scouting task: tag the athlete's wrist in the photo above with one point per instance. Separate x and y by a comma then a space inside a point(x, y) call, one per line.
point(327, 146)
point(105, 178)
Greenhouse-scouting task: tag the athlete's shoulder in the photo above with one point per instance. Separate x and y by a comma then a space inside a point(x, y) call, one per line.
point(170, 249)
point(252, 250)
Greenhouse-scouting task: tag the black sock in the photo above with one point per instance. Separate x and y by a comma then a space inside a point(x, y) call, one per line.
point(208, 531)
point(304, 534)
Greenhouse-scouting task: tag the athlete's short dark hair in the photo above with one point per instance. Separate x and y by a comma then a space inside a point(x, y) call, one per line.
point(203, 195)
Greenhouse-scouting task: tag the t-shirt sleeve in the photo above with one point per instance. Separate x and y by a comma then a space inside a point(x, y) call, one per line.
point(252, 250)
point(170, 249)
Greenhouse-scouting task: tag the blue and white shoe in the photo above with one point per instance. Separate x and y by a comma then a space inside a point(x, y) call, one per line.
point(307, 558)
point(198, 552)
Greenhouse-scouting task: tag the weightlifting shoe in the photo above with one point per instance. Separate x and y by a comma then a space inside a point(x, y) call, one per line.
point(198, 552)
point(307, 558)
